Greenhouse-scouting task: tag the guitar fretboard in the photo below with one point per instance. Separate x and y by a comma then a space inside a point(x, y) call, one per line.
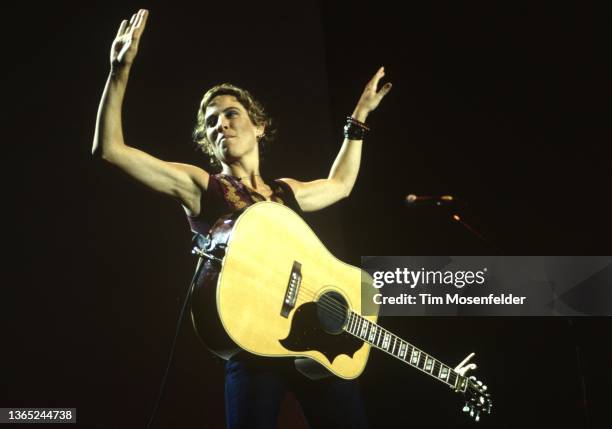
point(386, 341)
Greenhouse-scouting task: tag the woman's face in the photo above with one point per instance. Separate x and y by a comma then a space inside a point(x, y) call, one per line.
point(229, 128)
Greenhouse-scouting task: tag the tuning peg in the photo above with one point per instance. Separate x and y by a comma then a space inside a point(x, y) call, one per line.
point(484, 387)
point(466, 408)
point(477, 418)
point(471, 412)
point(478, 382)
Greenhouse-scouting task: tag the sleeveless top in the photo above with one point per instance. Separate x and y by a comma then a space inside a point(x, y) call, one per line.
point(226, 194)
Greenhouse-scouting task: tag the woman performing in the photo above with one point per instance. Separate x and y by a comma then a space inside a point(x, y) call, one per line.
point(231, 127)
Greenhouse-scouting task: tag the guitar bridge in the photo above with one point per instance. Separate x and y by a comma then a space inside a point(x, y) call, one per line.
point(293, 287)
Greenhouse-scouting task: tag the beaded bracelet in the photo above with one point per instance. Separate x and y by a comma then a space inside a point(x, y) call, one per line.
point(354, 129)
point(358, 123)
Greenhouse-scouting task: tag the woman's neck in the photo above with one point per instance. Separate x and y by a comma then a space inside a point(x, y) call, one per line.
point(248, 176)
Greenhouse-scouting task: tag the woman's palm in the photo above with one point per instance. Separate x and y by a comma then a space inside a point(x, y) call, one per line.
point(125, 45)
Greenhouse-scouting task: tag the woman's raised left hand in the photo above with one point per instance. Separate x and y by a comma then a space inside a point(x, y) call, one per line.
point(371, 97)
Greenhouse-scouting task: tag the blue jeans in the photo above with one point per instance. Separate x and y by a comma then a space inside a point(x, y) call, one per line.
point(255, 388)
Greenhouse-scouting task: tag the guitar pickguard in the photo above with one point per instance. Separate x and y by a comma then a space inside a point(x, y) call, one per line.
point(307, 334)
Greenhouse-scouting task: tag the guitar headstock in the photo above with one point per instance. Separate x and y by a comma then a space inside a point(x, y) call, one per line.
point(477, 399)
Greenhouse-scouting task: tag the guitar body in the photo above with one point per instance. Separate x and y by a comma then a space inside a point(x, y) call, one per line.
point(269, 287)
point(278, 292)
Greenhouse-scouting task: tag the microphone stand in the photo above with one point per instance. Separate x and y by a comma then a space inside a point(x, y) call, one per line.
point(581, 377)
point(444, 201)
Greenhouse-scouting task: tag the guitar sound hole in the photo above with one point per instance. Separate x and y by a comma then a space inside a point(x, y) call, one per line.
point(332, 312)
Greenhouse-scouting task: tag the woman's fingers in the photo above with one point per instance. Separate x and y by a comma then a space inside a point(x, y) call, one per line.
point(141, 21)
point(125, 26)
point(371, 96)
point(137, 24)
point(125, 45)
point(133, 21)
point(385, 89)
point(373, 83)
point(122, 28)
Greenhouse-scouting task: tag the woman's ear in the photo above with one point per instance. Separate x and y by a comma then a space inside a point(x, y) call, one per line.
point(260, 131)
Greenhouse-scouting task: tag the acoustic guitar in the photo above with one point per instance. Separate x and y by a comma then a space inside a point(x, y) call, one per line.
point(268, 286)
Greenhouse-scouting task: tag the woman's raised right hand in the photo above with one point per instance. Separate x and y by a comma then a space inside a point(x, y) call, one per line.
point(125, 45)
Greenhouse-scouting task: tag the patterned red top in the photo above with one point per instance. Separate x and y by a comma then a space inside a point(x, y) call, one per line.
point(227, 194)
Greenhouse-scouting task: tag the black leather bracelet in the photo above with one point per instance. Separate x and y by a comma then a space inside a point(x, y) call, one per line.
point(354, 129)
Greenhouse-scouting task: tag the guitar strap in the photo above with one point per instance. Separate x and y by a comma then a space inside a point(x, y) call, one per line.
point(197, 240)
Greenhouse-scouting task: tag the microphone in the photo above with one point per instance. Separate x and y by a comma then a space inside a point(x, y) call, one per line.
point(413, 200)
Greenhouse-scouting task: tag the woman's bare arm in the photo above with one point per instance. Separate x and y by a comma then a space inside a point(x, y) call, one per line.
point(321, 193)
point(181, 181)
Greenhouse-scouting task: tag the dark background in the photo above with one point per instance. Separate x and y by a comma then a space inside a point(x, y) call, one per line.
point(505, 106)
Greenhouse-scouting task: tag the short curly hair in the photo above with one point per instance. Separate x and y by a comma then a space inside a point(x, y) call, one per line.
point(254, 108)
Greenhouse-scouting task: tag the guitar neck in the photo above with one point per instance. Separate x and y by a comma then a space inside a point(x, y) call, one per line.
point(384, 340)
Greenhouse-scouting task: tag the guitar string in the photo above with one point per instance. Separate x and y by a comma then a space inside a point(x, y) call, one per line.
point(339, 313)
point(411, 356)
point(436, 365)
point(311, 294)
point(339, 310)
